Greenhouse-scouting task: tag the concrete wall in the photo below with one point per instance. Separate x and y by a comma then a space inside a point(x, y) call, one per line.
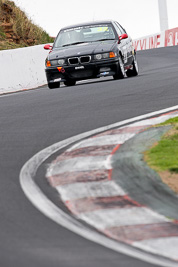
point(22, 68)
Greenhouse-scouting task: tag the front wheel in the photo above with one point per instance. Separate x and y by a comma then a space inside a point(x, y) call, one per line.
point(120, 73)
point(70, 83)
point(53, 85)
point(134, 71)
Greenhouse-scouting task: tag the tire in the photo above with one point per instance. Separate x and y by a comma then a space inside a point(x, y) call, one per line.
point(53, 85)
point(70, 83)
point(133, 72)
point(120, 70)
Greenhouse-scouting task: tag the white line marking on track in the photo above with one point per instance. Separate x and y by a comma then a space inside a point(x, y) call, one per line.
point(41, 202)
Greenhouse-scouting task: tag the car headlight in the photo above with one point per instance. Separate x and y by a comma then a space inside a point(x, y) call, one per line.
point(61, 61)
point(105, 56)
point(54, 63)
point(98, 56)
point(58, 62)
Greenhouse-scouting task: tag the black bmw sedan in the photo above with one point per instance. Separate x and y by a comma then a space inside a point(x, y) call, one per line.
point(90, 50)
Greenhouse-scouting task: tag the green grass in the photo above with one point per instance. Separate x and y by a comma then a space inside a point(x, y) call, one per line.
point(164, 156)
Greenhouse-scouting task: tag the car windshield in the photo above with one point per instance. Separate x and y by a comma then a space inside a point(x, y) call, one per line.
point(85, 34)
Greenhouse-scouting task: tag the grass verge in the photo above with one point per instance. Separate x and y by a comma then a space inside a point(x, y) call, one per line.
point(163, 156)
point(17, 30)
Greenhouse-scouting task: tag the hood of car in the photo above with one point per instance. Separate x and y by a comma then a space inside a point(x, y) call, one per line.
point(83, 49)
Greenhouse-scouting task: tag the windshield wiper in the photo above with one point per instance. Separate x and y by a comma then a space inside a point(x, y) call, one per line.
point(104, 40)
point(74, 43)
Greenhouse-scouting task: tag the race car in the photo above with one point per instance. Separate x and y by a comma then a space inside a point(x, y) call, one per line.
point(90, 50)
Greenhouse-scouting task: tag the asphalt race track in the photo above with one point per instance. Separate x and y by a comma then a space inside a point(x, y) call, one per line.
point(35, 119)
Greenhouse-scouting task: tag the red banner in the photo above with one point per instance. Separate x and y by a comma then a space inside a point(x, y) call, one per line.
point(165, 38)
point(171, 37)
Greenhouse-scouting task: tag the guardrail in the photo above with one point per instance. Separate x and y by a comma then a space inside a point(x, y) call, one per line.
point(163, 39)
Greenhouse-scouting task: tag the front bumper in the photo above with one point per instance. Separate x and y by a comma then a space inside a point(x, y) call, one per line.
point(82, 72)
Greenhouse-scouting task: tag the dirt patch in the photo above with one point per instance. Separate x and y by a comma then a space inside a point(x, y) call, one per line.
point(173, 131)
point(171, 179)
point(17, 30)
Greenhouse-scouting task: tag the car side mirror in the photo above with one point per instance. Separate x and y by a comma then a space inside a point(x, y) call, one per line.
point(123, 36)
point(48, 47)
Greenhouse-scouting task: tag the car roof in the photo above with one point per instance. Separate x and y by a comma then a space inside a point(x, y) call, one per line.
point(88, 23)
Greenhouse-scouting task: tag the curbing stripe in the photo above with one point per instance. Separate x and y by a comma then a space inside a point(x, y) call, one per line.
point(87, 152)
point(166, 246)
point(79, 164)
point(91, 204)
point(77, 196)
point(91, 189)
point(103, 141)
point(154, 121)
point(134, 233)
point(102, 219)
point(40, 201)
point(123, 130)
point(78, 177)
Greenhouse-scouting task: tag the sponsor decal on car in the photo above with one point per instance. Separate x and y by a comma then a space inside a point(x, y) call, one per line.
point(79, 68)
point(57, 80)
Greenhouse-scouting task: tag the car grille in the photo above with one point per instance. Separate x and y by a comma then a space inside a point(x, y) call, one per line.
point(73, 61)
point(85, 59)
point(77, 60)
